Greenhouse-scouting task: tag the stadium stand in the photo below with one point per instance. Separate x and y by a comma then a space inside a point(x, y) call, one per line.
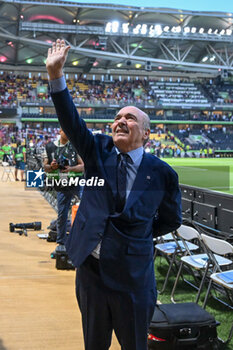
point(175, 94)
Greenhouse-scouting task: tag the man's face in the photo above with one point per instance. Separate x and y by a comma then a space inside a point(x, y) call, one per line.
point(128, 131)
point(63, 136)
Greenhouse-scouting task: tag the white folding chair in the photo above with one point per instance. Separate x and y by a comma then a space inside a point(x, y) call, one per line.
point(193, 261)
point(219, 277)
point(198, 264)
point(162, 239)
point(171, 250)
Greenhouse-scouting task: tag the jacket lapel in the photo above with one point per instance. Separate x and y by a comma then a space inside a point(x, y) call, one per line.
point(110, 168)
point(143, 179)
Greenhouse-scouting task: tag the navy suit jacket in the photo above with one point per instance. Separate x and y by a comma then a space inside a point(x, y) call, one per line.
point(152, 208)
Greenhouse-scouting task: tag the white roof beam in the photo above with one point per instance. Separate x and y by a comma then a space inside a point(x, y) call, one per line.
point(169, 52)
point(117, 47)
point(122, 7)
point(217, 55)
point(186, 52)
point(137, 47)
point(117, 56)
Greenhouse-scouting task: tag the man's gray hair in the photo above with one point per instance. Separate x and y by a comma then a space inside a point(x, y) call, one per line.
point(146, 125)
point(146, 121)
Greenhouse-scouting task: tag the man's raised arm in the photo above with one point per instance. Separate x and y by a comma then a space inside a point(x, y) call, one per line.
point(73, 126)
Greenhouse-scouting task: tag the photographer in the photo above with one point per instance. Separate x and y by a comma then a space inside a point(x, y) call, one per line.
point(63, 161)
point(19, 159)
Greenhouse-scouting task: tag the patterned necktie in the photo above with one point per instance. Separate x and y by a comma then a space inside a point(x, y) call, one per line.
point(121, 181)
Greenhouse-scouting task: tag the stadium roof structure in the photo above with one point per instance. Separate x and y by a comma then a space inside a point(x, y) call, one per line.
point(115, 38)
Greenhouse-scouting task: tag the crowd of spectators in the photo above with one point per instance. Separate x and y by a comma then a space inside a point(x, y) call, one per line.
point(101, 114)
point(15, 89)
point(101, 93)
point(211, 137)
point(212, 116)
point(220, 93)
point(18, 88)
point(183, 142)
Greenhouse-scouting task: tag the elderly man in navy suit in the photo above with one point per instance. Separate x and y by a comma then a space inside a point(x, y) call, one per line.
point(111, 241)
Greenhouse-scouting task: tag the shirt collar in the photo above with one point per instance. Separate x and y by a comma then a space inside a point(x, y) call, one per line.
point(135, 154)
point(59, 144)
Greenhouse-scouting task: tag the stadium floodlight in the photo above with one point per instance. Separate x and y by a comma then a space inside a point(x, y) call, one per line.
point(144, 29)
point(75, 63)
point(212, 58)
point(176, 29)
point(201, 30)
point(119, 65)
point(193, 30)
point(125, 28)
point(210, 31)
point(158, 29)
point(228, 32)
point(137, 29)
point(138, 65)
point(108, 27)
point(166, 29)
point(204, 59)
point(222, 32)
point(115, 26)
point(29, 60)
point(151, 30)
point(186, 30)
point(216, 31)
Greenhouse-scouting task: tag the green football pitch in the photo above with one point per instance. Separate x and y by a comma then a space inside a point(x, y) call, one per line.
point(211, 173)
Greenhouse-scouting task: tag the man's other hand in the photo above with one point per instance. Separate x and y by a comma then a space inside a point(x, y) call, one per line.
point(56, 59)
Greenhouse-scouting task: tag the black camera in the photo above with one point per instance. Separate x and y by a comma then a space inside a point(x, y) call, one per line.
point(36, 226)
point(62, 162)
point(24, 227)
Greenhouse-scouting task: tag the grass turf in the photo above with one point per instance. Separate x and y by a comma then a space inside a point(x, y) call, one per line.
point(212, 173)
point(185, 293)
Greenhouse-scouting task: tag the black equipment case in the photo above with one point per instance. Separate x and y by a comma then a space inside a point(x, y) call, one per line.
point(52, 236)
point(63, 262)
point(183, 326)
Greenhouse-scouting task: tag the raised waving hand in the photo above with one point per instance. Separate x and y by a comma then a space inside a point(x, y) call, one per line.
point(56, 59)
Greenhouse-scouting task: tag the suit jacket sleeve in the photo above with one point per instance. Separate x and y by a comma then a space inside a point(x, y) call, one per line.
point(74, 127)
point(169, 217)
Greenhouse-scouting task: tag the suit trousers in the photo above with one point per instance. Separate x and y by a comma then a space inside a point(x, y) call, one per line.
point(104, 310)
